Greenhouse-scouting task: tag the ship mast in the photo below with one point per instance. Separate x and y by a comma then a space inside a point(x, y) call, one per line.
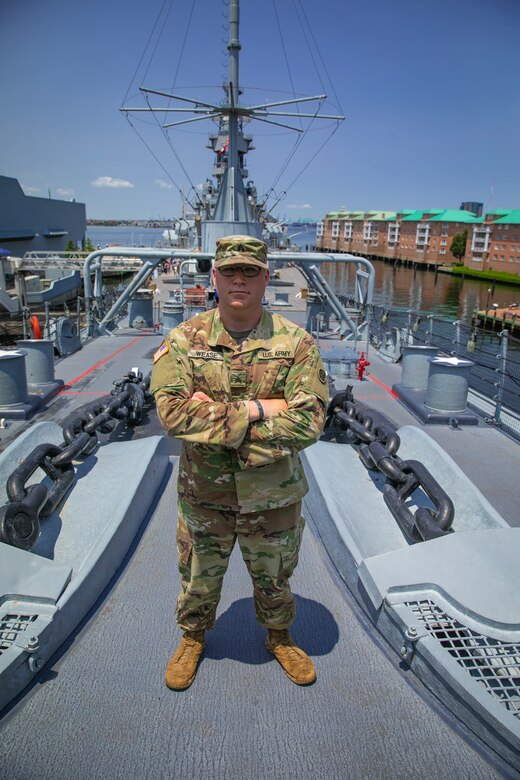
point(232, 205)
point(231, 212)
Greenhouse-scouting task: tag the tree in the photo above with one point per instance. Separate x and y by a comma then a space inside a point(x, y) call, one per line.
point(458, 245)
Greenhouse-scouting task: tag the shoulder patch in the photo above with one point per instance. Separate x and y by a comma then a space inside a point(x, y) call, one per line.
point(163, 350)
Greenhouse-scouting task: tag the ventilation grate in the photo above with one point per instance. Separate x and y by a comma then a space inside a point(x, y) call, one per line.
point(493, 664)
point(10, 628)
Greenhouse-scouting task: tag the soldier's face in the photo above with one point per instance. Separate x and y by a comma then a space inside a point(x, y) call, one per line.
point(239, 292)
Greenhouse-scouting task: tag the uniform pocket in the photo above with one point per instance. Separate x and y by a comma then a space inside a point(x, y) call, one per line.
point(269, 377)
point(211, 377)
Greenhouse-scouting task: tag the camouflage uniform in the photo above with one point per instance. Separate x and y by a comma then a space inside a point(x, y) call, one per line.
point(238, 479)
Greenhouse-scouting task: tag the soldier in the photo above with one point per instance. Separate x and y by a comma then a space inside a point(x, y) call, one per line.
point(245, 390)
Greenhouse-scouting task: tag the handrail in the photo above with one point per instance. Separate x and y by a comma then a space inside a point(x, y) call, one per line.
point(151, 257)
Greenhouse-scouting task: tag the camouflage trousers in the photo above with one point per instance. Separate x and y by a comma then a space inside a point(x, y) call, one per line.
point(269, 542)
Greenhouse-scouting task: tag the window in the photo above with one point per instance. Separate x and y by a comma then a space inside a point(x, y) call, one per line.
point(443, 242)
point(442, 251)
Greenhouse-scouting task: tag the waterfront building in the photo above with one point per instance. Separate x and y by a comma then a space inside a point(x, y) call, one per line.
point(29, 223)
point(425, 237)
point(494, 244)
point(410, 236)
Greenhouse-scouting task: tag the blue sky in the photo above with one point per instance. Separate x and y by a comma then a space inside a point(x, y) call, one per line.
point(429, 89)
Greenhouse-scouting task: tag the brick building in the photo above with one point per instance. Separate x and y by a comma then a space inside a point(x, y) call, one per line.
point(494, 244)
point(425, 237)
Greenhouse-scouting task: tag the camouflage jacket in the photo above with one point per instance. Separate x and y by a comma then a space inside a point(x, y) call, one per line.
point(227, 461)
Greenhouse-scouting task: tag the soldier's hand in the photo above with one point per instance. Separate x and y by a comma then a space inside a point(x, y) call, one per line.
point(200, 396)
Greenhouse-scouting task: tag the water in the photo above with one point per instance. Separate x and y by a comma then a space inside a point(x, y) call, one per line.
point(396, 287)
point(124, 236)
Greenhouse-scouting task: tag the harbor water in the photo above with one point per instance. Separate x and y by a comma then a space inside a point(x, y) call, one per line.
point(396, 287)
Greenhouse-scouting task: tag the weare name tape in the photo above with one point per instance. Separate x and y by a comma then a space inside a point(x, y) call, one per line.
point(163, 350)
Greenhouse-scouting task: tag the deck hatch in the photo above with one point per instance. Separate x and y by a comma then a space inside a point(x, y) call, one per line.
point(493, 664)
point(11, 626)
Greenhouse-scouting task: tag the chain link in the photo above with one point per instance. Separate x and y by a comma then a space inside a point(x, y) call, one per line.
point(20, 517)
point(379, 442)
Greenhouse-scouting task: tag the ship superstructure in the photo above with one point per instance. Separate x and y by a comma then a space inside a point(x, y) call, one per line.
point(230, 204)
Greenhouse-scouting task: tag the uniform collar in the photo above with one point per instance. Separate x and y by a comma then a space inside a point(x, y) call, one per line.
point(261, 332)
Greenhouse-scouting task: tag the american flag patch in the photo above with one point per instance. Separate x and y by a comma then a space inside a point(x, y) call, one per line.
point(163, 349)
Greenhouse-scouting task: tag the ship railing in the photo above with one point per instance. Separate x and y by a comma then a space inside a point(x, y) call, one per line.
point(494, 383)
point(352, 328)
point(99, 322)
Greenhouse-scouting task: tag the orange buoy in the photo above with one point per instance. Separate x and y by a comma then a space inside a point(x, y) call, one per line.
point(35, 328)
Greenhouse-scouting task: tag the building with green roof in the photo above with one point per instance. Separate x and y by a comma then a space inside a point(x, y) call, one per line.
point(425, 236)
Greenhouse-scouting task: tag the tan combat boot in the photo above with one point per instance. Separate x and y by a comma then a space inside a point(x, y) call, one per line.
point(182, 666)
point(295, 662)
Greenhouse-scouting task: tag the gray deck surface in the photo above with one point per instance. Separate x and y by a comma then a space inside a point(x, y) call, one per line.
point(102, 709)
point(488, 457)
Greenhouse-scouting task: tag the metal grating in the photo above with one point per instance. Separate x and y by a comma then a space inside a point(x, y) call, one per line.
point(11, 626)
point(491, 663)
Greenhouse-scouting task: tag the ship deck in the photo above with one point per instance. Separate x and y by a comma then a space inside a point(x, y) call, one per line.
point(100, 707)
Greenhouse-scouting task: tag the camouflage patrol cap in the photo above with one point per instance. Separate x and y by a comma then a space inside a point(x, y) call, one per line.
point(241, 250)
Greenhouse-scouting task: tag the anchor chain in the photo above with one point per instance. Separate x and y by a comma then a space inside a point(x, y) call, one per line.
point(27, 505)
point(378, 445)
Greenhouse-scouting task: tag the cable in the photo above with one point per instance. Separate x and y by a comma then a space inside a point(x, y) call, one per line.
point(168, 141)
point(181, 52)
point(145, 49)
point(309, 162)
point(331, 83)
point(167, 173)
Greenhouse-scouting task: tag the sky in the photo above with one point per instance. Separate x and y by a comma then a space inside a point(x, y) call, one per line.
point(429, 89)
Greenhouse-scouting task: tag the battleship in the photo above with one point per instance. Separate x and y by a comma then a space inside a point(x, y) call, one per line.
point(407, 589)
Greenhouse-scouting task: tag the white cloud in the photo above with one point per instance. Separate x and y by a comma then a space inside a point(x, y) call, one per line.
point(163, 184)
point(299, 206)
point(108, 181)
point(65, 192)
point(29, 190)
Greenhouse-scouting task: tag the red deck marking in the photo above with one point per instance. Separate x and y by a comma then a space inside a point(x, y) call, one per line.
point(100, 363)
point(369, 397)
point(388, 389)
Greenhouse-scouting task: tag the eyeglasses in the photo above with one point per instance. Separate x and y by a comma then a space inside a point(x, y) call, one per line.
point(249, 271)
